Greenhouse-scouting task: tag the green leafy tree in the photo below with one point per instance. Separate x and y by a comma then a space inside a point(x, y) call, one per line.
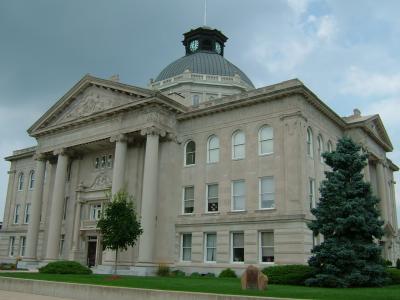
point(118, 224)
point(348, 219)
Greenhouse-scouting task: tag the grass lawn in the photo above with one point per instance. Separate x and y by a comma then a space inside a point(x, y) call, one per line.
point(220, 286)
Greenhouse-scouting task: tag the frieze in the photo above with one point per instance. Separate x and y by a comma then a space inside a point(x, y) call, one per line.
point(102, 181)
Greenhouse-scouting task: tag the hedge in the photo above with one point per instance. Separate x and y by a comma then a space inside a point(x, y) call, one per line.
point(288, 274)
point(394, 274)
point(65, 267)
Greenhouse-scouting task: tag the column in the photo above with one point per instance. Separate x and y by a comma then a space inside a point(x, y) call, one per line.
point(382, 190)
point(77, 229)
point(121, 147)
point(149, 196)
point(32, 235)
point(57, 202)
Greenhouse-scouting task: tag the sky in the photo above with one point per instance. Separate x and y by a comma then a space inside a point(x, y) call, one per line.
point(347, 52)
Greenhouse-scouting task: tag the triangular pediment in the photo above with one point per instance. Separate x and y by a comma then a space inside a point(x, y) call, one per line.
point(375, 125)
point(89, 97)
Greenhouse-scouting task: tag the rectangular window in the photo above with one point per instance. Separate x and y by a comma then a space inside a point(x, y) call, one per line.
point(311, 191)
point(188, 199)
point(186, 253)
point(95, 212)
point(97, 163)
point(267, 247)
point(212, 197)
point(22, 245)
point(65, 208)
point(237, 241)
point(16, 213)
point(11, 246)
point(267, 193)
point(109, 161)
point(27, 213)
point(238, 195)
point(62, 239)
point(210, 241)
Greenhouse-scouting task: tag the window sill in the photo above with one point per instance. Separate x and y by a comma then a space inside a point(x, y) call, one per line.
point(188, 166)
point(265, 154)
point(237, 262)
point(265, 209)
point(186, 215)
point(238, 159)
point(212, 163)
point(232, 212)
point(211, 213)
point(267, 263)
point(210, 262)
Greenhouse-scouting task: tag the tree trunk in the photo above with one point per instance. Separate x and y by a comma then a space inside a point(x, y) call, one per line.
point(116, 261)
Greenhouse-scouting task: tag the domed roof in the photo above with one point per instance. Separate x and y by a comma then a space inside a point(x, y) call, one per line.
point(203, 62)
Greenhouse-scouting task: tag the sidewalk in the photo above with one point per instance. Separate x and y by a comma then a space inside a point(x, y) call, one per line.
point(6, 295)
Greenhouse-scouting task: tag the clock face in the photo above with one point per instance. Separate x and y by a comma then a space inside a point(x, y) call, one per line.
point(218, 47)
point(194, 45)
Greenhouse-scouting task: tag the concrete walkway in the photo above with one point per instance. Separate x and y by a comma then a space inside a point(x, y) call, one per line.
point(6, 295)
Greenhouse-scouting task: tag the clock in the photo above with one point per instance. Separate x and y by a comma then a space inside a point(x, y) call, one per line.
point(194, 45)
point(218, 48)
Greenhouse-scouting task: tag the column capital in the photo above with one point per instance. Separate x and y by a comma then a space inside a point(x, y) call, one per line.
point(40, 157)
point(174, 138)
point(60, 151)
point(119, 138)
point(11, 172)
point(153, 130)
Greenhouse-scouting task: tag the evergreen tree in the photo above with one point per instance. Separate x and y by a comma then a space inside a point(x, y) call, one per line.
point(118, 224)
point(348, 219)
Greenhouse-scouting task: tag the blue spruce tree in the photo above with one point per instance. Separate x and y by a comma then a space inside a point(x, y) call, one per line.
point(348, 219)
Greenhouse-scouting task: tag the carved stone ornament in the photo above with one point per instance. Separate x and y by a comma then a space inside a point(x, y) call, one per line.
point(102, 181)
point(40, 156)
point(153, 130)
point(118, 138)
point(61, 151)
point(91, 101)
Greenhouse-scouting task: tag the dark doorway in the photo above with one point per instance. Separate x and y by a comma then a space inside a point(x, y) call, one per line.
point(91, 254)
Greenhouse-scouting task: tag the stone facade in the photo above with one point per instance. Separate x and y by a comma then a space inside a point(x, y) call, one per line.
point(227, 203)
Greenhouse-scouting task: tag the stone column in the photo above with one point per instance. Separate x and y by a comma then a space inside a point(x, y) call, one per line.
point(77, 229)
point(149, 195)
point(32, 235)
point(121, 147)
point(57, 202)
point(382, 190)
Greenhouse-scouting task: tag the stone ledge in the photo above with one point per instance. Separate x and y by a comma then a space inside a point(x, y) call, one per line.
point(99, 292)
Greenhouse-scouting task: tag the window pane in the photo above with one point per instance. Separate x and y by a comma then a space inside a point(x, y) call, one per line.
point(187, 240)
point(267, 146)
point(239, 138)
point(211, 240)
point(213, 142)
point(267, 239)
point(238, 151)
point(189, 193)
point(238, 188)
point(238, 254)
point(267, 254)
point(267, 185)
point(190, 153)
point(213, 155)
point(238, 203)
point(238, 239)
point(189, 207)
point(266, 133)
point(213, 191)
point(187, 254)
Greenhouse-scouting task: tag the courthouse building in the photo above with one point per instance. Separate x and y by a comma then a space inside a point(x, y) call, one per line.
point(223, 174)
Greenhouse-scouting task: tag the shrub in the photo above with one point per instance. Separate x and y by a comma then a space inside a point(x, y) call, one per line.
point(289, 274)
point(398, 263)
point(5, 266)
point(178, 273)
point(65, 267)
point(227, 273)
point(387, 263)
point(394, 275)
point(163, 270)
point(211, 275)
point(195, 274)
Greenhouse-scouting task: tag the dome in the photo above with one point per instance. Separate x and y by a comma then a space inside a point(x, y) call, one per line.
point(203, 62)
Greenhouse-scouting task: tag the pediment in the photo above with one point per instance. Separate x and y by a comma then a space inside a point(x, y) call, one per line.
point(91, 96)
point(376, 127)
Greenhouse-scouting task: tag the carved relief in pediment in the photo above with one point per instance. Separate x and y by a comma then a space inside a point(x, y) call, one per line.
point(91, 101)
point(102, 181)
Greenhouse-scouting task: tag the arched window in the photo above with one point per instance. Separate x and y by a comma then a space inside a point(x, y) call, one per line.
point(213, 149)
point(265, 140)
point(31, 179)
point(20, 181)
point(320, 148)
point(330, 147)
point(190, 153)
point(310, 143)
point(238, 145)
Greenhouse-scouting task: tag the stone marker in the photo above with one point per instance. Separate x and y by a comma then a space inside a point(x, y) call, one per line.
point(253, 278)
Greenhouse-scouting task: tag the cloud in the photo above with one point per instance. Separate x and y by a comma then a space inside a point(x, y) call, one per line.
point(299, 7)
point(360, 82)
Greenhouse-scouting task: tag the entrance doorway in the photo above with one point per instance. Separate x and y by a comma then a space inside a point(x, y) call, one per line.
point(91, 251)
